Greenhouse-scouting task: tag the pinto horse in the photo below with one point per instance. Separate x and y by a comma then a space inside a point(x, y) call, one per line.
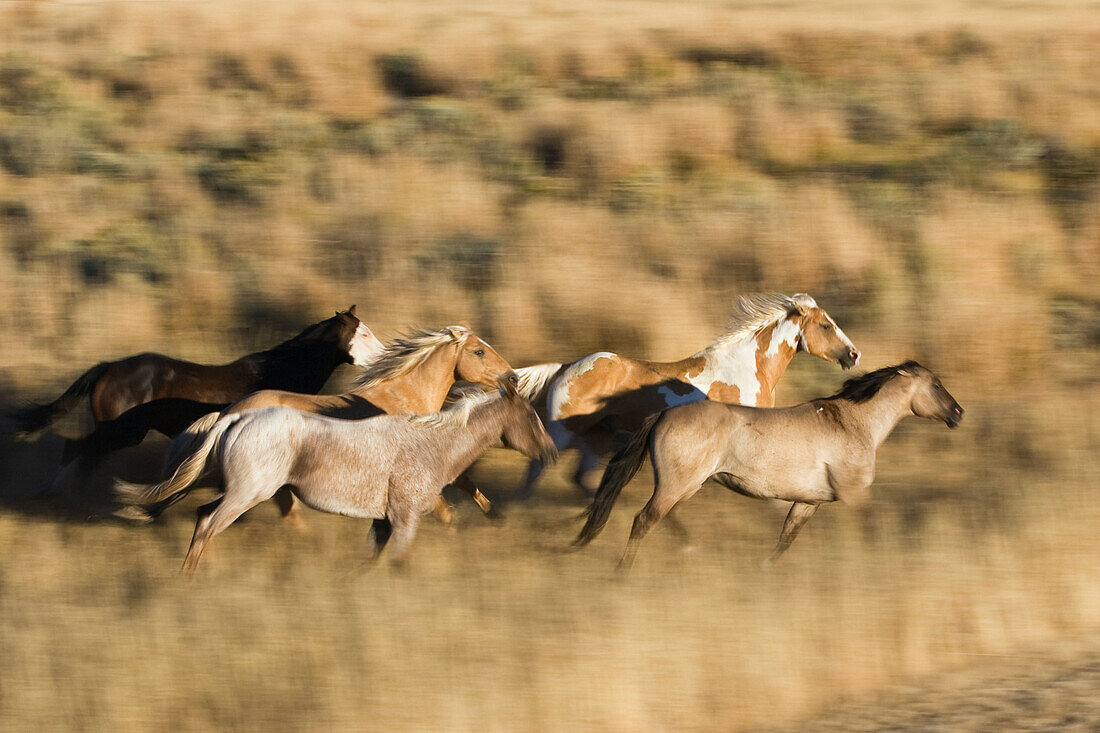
point(390, 468)
point(413, 374)
point(303, 363)
point(589, 400)
point(810, 454)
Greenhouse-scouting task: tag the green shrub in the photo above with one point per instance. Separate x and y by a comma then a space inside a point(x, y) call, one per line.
point(404, 74)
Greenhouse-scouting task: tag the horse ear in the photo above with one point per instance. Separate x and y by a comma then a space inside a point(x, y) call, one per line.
point(803, 303)
point(507, 386)
point(351, 310)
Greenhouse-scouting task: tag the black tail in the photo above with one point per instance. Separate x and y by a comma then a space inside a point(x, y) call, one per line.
point(33, 418)
point(623, 467)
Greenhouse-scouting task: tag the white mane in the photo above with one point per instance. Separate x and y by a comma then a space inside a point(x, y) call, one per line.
point(408, 352)
point(753, 313)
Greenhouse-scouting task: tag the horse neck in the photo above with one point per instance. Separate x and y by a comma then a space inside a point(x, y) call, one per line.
point(422, 389)
point(466, 442)
point(298, 367)
point(753, 363)
point(878, 416)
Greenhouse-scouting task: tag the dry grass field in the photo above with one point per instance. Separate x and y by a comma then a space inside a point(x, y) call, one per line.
point(205, 178)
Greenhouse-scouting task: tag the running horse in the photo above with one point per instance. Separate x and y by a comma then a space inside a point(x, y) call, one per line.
point(146, 392)
point(810, 454)
point(390, 468)
point(591, 399)
point(412, 375)
point(303, 363)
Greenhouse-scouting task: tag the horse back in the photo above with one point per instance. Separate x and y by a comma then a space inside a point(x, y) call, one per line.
point(606, 384)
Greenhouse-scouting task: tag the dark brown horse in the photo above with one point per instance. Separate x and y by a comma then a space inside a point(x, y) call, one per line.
point(147, 392)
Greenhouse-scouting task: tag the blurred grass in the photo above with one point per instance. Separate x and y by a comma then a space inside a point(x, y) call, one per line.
point(202, 179)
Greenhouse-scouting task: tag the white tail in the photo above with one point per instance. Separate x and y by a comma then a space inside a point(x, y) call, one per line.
point(534, 378)
point(185, 475)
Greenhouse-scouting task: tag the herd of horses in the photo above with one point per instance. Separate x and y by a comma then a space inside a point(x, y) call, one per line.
point(428, 404)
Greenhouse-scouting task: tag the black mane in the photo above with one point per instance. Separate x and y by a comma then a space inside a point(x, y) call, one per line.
point(864, 387)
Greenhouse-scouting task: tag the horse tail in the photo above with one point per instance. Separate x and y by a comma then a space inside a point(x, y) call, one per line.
point(186, 474)
point(533, 379)
point(624, 466)
point(33, 418)
point(184, 443)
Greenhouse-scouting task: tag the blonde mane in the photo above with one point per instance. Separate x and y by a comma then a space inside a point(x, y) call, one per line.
point(408, 352)
point(458, 414)
point(753, 313)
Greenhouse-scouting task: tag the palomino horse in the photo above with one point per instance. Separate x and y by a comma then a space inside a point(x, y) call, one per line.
point(413, 374)
point(390, 468)
point(590, 399)
point(810, 454)
point(302, 364)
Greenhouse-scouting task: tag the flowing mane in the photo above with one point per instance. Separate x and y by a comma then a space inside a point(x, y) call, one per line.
point(458, 414)
point(408, 352)
point(753, 313)
point(864, 387)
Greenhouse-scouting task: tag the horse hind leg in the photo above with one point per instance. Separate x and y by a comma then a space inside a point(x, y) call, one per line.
point(212, 519)
point(403, 532)
point(659, 506)
point(291, 509)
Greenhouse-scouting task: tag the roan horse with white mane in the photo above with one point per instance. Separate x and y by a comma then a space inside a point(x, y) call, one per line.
point(590, 399)
point(390, 468)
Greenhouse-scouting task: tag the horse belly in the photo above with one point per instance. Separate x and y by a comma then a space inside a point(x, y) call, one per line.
point(342, 495)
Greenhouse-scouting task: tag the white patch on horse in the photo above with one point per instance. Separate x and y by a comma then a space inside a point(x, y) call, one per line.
point(365, 346)
point(787, 332)
point(734, 365)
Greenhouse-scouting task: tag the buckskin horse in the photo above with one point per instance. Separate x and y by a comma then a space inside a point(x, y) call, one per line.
point(814, 453)
point(390, 468)
point(590, 399)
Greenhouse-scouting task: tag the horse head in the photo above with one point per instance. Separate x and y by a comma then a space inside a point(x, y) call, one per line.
point(477, 361)
point(523, 430)
point(819, 335)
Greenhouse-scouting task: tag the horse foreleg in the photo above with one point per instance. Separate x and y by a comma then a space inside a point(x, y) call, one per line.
point(796, 517)
point(465, 483)
point(291, 509)
point(534, 470)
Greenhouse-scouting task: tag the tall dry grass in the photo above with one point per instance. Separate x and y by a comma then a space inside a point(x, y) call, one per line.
point(202, 179)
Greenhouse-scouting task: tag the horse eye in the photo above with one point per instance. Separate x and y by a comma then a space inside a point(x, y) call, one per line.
point(479, 352)
point(827, 326)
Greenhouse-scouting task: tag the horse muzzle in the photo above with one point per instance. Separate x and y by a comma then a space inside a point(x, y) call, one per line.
point(548, 455)
point(954, 416)
point(848, 357)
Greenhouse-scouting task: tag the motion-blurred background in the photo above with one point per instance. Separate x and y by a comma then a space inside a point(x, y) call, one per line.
point(206, 178)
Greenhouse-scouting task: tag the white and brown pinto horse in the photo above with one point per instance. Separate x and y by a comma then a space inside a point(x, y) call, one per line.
point(590, 399)
point(390, 468)
point(809, 454)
